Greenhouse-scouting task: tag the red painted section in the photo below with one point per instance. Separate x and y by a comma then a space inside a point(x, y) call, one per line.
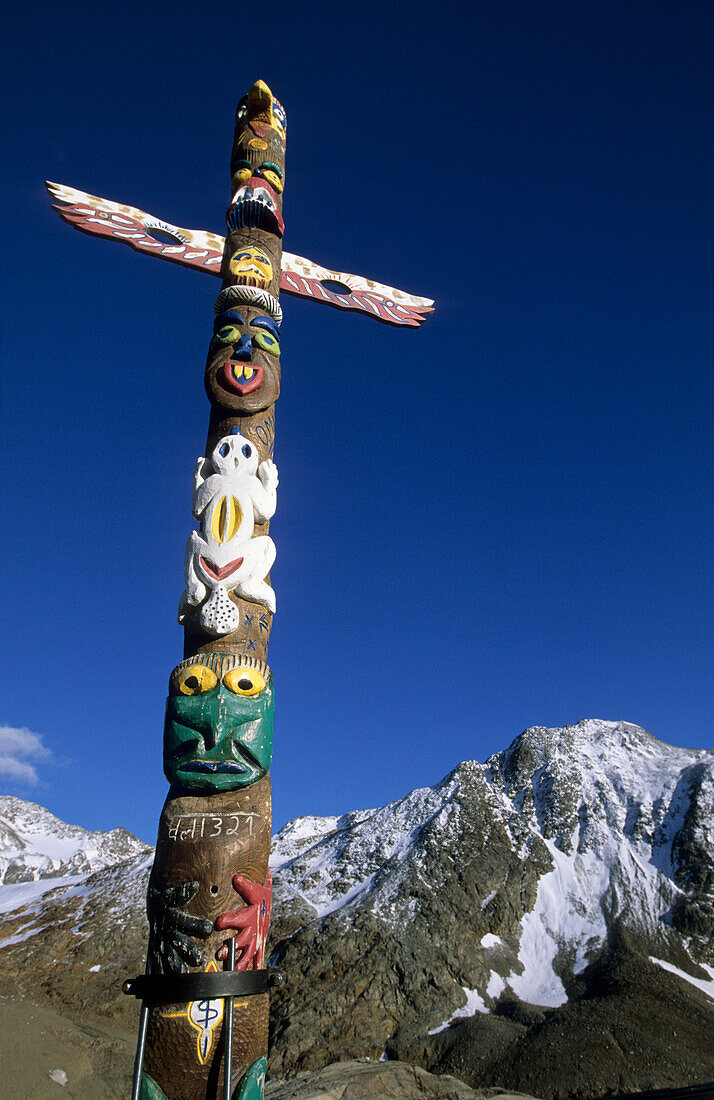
point(230, 382)
point(129, 231)
point(251, 922)
point(376, 305)
point(218, 574)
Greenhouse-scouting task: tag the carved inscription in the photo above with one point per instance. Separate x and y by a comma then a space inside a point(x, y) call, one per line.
point(203, 826)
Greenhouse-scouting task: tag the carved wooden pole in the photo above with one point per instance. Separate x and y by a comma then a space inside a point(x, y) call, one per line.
point(204, 1020)
point(210, 881)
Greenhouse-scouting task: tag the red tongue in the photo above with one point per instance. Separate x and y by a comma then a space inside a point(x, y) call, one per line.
point(216, 572)
point(243, 387)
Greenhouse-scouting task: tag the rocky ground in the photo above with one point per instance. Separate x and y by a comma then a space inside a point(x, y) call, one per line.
point(366, 1080)
point(46, 1054)
point(629, 1026)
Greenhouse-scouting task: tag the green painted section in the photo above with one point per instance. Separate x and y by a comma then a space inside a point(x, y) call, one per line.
point(250, 1086)
point(150, 1090)
point(217, 741)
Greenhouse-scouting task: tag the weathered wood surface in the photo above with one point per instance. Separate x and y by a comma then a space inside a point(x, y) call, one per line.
point(216, 823)
point(209, 840)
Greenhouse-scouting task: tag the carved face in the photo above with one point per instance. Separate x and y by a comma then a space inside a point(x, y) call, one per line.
point(260, 121)
point(251, 267)
point(218, 730)
point(243, 368)
point(269, 170)
point(256, 205)
point(234, 455)
point(258, 163)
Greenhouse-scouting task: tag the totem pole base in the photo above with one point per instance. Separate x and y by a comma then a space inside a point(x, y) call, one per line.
point(207, 840)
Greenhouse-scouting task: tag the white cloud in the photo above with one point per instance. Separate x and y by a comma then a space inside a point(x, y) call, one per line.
point(19, 749)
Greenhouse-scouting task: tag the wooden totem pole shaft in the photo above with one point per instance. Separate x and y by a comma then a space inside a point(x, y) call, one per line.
point(210, 883)
point(204, 1020)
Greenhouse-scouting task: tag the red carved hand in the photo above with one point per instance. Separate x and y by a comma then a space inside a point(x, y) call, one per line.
point(252, 921)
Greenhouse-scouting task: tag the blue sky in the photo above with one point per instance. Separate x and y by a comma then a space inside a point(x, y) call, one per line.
point(500, 520)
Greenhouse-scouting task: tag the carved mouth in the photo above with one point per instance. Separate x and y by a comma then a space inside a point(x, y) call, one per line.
point(250, 275)
point(255, 206)
point(241, 377)
point(216, 572)
point(211, 768)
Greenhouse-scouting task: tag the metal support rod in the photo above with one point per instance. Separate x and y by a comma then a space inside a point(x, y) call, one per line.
point(141, 1044)
point(228, 1028)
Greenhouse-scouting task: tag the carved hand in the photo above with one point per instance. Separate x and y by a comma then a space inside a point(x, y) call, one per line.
point(252, 921)
point(268, 474)
point(171, 946)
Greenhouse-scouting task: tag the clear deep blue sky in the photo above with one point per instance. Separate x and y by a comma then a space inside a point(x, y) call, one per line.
point(503, 519)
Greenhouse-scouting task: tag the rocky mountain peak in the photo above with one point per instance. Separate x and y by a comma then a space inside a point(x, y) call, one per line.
point(34, 844)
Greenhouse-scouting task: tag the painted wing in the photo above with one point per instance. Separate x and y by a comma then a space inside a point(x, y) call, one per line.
point(204, 251)
point(343, 291)
point(103, 218)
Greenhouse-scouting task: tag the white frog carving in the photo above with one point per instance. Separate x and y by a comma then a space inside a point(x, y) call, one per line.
point(231, 493)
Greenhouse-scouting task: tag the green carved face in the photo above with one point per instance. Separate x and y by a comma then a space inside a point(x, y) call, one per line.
point(218, 734)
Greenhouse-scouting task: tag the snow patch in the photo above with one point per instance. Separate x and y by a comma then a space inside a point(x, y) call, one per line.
point(21, 894)
point(21, 937)
point(496, 985)
point(474, 1004)
point(706, 987)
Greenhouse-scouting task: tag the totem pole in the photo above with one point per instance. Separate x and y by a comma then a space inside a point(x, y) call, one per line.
point(204, 1018)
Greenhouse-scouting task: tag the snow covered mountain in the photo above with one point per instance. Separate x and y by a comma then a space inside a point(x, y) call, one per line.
point(34, 844)
point(620, 824)
point(508, 880)
point(572, 871)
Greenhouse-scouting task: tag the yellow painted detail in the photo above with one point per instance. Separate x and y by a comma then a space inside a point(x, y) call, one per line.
point(265, 341)
point(226, 520)
point(194, 680)
point(257, 143)
point(205, 1016)
point(252, 262)
point(248, 373)
point(228, 334)
point(273, 179)
point(244, 681)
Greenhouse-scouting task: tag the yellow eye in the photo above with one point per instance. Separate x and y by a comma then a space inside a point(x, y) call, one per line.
point(194, 680)
point(228, 334)
point(242, 176)
point(244, 681)
point(267, 342)
point(273, 179)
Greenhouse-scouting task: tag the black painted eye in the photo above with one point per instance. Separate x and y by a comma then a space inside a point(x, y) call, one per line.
point(194, 680)
point(244, 681)
point(247, 450)
point(279, 113)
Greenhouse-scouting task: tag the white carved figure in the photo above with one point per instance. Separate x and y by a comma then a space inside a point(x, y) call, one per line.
point(231, 493)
